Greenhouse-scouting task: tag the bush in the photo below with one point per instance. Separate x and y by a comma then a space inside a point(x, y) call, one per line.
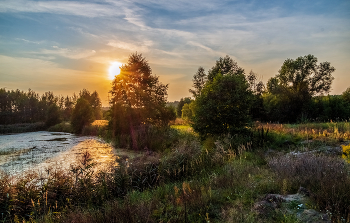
point(62, 127)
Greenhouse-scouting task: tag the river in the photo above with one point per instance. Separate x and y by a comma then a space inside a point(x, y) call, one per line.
point(38, 151)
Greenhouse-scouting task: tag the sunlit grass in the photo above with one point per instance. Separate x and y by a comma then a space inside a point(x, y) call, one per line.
point(182, 128)
point(100, 123)
point(331, 132)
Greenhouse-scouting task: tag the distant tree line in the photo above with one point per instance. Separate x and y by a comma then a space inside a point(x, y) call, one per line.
point(29, 107)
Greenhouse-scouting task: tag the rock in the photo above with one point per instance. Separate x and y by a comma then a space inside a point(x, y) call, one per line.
point(269, 203)
point(304, 191)
point(312, 216)
point(275, 202)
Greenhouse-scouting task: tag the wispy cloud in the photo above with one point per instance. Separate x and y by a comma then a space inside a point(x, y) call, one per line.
point(29, 41)
point(68, 53)
point(61, 7)
point(141, 46)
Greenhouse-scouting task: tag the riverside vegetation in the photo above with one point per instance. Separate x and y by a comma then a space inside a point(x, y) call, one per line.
point(215, 165)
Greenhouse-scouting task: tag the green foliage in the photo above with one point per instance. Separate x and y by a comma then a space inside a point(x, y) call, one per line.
point(182, 102)
point(298, 80)
point(346, 95)
point(82, 115)
point(138, 98)
point(94, 101)
point(53, 115)
point(61, 127)
point(186, 112)
point(199, 80)
point(168, 114)
point(223, 106)
point(224, 66)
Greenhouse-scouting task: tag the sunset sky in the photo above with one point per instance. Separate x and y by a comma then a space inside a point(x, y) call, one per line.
point(64, 46)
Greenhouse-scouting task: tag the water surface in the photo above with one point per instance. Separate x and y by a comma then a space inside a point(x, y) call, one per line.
point(38, 151)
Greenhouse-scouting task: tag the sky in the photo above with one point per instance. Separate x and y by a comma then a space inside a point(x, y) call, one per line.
point(65, 46)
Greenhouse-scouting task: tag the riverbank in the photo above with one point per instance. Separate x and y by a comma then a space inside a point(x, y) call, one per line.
point(22, 127)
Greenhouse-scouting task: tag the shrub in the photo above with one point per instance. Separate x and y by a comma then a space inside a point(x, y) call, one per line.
point(61, 127)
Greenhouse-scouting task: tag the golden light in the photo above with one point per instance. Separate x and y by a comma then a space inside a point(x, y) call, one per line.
point(114, 70)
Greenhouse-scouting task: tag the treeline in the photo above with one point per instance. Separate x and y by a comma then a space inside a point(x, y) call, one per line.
point(226, 98)
point(29, 107)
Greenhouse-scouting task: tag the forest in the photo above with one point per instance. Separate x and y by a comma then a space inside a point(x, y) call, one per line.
point(237, 150)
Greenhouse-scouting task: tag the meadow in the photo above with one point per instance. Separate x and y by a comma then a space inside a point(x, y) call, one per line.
point(277, 173)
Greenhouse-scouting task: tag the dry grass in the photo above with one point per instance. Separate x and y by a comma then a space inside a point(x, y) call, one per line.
point(326, 177)
point(100, 123)
point(320, 131)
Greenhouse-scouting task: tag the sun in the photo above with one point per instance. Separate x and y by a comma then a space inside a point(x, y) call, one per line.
point(114, 70)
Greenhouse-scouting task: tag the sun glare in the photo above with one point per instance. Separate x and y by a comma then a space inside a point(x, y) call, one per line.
point(114, 70)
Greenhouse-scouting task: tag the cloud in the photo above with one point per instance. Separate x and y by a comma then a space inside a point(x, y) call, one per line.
point(61, 7)
point(69, 53)
point(178, 36)
point(142, 46)
point(28, 41)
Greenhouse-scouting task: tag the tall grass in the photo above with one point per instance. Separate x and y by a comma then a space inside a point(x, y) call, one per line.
point(331, 133)
point(327, 178)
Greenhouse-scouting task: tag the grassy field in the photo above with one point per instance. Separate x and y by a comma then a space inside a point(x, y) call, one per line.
point(250, 178)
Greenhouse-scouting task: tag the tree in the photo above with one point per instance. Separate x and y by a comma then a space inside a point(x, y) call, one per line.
point(257, 109)
point(297, 82)
point(82, 115)
point(168, 114)
point(224, 66)
point(186, 112)
point(96, 105)
point(182, 102)
point(223, 106)
point(346, 95)
point(94, 101)
point(138, 98)
point(53, 115)
point(199, 80)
